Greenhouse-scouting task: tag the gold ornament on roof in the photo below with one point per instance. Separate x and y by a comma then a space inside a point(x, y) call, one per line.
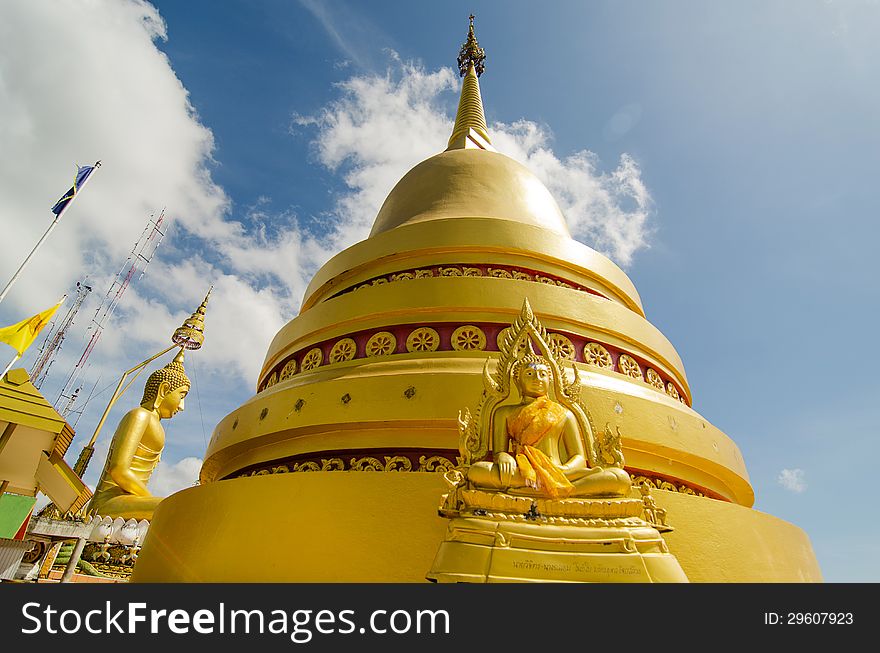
point(471, 54)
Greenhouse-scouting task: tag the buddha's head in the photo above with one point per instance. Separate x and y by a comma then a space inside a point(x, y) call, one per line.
point(533, 377)
point(166, 389)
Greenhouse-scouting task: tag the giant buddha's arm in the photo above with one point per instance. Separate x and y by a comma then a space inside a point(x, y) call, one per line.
point(125, 443)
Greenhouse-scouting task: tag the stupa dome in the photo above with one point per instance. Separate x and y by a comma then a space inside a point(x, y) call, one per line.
point(469, 183)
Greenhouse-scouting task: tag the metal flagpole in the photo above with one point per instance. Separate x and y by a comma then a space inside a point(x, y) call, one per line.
point(45, 235)
point(9, 367)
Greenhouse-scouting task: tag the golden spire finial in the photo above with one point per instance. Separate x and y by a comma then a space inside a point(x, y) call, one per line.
point(471, 54)
point(470, 129)
point(191, 334)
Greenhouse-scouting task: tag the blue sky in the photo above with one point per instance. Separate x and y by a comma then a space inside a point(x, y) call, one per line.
point(753, 129)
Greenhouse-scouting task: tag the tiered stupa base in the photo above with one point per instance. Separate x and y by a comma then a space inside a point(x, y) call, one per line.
point(368, 527)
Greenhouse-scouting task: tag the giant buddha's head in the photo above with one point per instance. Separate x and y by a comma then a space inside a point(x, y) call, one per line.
point(166, 388)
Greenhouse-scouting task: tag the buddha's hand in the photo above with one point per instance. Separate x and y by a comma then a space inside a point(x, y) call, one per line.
point(506, 466)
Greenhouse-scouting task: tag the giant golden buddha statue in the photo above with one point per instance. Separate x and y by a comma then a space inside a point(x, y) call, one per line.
point(137, 446)
point(391, 343)
point(139, 439)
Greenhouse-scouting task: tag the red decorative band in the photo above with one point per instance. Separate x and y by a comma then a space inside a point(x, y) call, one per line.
point(471, 270)
point(435, 337)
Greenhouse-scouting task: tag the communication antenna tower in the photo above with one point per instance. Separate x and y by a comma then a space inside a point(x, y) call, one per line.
point(55, 338)
point(138, 260)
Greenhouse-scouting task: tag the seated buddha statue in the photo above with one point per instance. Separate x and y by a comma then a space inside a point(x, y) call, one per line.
point(137, 445)
point(538, 447)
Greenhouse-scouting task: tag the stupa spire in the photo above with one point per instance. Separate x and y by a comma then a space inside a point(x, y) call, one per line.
point(470, 130)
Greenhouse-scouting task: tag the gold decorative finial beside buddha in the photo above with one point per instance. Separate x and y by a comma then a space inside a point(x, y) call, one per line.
point(139, 438)
point(531, 474)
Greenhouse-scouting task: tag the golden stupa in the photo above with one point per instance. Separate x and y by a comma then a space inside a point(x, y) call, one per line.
point(390, 345)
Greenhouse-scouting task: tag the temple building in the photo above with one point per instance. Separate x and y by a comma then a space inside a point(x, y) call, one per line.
point(335, 468)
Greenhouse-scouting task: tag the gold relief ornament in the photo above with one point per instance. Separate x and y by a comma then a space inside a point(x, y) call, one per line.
point(468, 337)
point(367, 464)
point(609, 447)
point(531, 474)
point(654, 515)
point(672, 391)
point(313, 358)
point(499, 273)
point(383, 343)
point(628, 366)
point(288, 370)
point(654, 379)
point(397, 464)
point(308, 466)
point(435, 464)
point(596, 354)
point(423, 339)
point(343, 351)
point(562, 347)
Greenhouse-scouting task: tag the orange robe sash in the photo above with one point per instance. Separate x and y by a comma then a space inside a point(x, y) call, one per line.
point(526, 428)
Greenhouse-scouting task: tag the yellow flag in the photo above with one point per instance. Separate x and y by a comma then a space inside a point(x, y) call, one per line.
point(20, 336)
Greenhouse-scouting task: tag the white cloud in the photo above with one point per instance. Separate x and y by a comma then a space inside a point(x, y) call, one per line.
point(86, 81)
point(382, 125)
point(168, 479)
point(793, 480)
point(379, 128)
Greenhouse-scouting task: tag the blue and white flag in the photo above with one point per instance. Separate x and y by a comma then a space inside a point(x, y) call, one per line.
point(82, 173)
